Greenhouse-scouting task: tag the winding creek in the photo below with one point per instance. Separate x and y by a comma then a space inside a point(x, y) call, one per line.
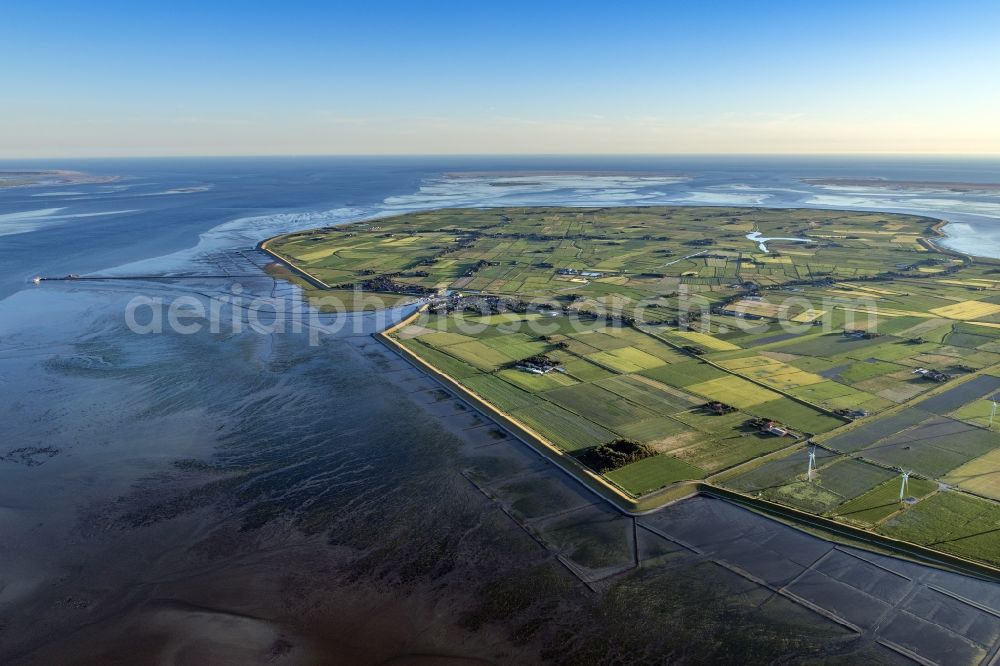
point(761, 240)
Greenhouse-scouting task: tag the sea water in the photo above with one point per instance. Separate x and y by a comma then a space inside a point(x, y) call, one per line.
point(119, 449)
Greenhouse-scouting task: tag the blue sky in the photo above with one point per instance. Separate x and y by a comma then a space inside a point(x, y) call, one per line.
point(447, 77)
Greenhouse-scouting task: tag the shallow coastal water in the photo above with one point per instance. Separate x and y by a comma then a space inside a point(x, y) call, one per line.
point(157, 208)
point(235, 497)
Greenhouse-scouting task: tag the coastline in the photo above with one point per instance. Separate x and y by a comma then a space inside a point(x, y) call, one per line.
point(681, 490)
point(635, 506)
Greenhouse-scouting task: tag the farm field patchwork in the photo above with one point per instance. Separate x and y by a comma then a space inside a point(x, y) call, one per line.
point(933, 448)
point(582, 399)
point(667, 333)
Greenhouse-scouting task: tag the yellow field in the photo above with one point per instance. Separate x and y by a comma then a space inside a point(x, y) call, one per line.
point(986, 284)
point(807, 316)
point(734, 391)
point(854, 293)
point(873, 290)
point(310, 257)
point(977, 412)
point(788, 380)
point(771, 372)
point(747, 362)
point(766, 259)
point(981, 475)
point(627, 359)
point(760, 308)
point(865, 232)
point(887, 312)
point(706, 340)
point(967, 310)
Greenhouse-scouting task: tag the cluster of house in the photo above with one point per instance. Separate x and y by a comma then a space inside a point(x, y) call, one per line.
point(763, 425)
point(858, 334)
point(933, 375)
point(739, 314)
point(851, 413)
point(573, 271)
point(770, 427)
point(537, 365)
point(451, 301)
point(384, 283)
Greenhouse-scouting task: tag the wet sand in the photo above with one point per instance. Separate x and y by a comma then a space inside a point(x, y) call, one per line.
point(228, 511)
point(947, 186)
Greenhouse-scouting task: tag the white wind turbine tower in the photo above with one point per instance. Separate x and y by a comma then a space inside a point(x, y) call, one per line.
point(905, 486)
point(993, 412)
point(812, 464)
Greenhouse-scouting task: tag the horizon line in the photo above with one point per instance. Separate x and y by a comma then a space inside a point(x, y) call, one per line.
point(503, 155)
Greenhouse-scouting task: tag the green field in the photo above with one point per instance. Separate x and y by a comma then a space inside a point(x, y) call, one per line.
point(652, 473)
point(882, 502)
point(952, 522)
point(605, 298)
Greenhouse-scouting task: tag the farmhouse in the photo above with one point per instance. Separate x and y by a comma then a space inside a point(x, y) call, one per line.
point(573, 271)
point(933, 375)
point(769, 427)
point(537, 365)
point(773, 428)
point(851, 413)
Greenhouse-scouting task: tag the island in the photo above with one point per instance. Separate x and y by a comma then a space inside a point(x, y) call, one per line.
point(49, 177)
point(842, 376)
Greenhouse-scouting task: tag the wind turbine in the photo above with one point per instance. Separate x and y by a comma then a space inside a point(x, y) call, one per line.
point(905, 486)
point(812, 464)
point(993, 412)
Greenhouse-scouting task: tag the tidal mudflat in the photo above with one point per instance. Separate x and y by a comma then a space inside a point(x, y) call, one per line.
point(254, 505)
